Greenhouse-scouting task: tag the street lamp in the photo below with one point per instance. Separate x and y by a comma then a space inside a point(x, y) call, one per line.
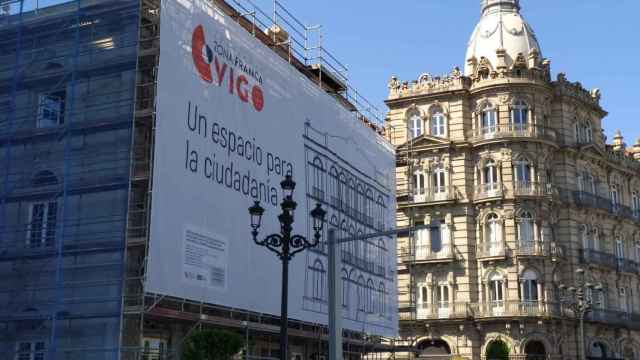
point(285, 245)
point(575, 298)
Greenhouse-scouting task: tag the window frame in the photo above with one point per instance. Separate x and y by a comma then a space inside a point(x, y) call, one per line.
point(415, 126)
point(438, 124)
point(47, 237)
point(45, 100)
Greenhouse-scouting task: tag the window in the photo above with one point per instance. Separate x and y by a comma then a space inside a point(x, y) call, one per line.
point(525, 230)
point(383, 299)
point(490, 177)
point(415, 126)
point(493, 229)
point(635, 203)
point(419, 183)
point(51, 109)
point(318, 280)
point(519, 116)
point(438, 125)
point(370, 298)
point(584, 133)
point(489, 120)
point(442, 299)
point(318, 179)
point(496, 291)
point(30, 350)
point(436, 236)
point(615, 196)
point(619, 247)
point(41, 231)
point(361, 294)
point(345, 288)
point(624, 301)
point(529, 287)
point(638, 251)
point(438, 181)
point(587, 238)
point(523, 171)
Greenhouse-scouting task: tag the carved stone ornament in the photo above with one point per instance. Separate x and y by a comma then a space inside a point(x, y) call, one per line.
point(504, 99)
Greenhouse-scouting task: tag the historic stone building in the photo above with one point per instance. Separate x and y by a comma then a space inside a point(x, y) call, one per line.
point(511, 173)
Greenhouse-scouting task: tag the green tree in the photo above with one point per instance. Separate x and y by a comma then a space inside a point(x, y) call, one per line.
point(211, 345)
point(497, 350)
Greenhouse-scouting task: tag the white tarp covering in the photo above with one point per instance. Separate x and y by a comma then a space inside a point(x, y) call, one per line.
point(233, 119)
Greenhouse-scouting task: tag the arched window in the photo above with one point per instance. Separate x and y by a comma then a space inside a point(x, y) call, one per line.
point(345, 246)
point(525, 230)
point(368, 208)
point(619, 247)
point(493, 235)
point(342, 191)
point(489, 121)
point(350, 196)
point(438, 124)
point(370, 296)
point(318, 280)
point(624, 299)
point(318, 179)
point(523, 172)
point(519, 116)
point(415, 126)
point(529, 286)
point(615, 196)
point(358, 201)
point(438, 181)
point(382, 254)
point(381, 213)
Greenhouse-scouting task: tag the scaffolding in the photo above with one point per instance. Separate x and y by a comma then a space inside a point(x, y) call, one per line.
point(77, 118)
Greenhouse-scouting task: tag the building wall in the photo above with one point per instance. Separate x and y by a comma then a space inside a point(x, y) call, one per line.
point(552, 193)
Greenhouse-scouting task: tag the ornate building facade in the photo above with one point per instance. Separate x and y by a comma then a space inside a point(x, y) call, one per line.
point(517, 199)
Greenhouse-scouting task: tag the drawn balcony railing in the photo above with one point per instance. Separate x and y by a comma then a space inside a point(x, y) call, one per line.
point(434, 194)
point(508, 308)
point(506, 131)
point(488, 190)
point(590, 256)
point(317, 193)
point(443, 310)
point(532, 188)
point(490, 250)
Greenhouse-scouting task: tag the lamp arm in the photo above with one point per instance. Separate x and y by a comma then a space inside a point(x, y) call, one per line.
point(300, 243)
point(273, 242)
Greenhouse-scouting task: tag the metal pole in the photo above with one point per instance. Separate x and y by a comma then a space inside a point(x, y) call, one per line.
point(335, 299)
point(284, 324)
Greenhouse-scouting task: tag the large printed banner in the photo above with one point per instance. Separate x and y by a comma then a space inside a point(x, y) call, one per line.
point(233, 119)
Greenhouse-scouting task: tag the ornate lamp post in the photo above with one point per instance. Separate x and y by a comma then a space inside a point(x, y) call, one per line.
point(285, 245)
point(575, 297)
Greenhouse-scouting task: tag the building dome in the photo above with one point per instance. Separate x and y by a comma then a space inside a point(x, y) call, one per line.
point(501, 27)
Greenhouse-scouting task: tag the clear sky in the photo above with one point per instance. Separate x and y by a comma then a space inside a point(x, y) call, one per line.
point(596, 42)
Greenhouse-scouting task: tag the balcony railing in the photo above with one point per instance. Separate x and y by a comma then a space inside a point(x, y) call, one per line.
point(501, 308)
point(619, 318)
point(537, 248)
point(443, 310)
point(489, 190)
point(590, 256)
point(503, 131)
point(434, 194)
point(586, 199)
point(424, 253)
point(532, 188)
point(491, 250)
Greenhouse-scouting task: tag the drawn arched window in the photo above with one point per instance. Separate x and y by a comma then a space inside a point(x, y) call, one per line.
point(438, 124)
point(368, 208)
point(519, 116)
point(359, 202)
point(350, 196)
point(525, 230)
point(318, 179)
point(334, 185)
point(355, 245)
point(439, 186)
point(383, 298)
point(370, 296)
point(381, 213)
point(523, 173)
point(489, 119)
point(415, 126)
point(345, 246)
point(345, 288)
point(382, 253)
point(342, 191)
point(529, 286)
point(318, 280)
point(361, 293)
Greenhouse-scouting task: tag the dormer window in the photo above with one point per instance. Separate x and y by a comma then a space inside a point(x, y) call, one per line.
point(415, 126)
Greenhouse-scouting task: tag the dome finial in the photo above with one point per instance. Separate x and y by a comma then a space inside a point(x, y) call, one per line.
point(490, 6)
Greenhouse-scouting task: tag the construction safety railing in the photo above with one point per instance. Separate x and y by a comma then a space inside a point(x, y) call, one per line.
point(504, 131)
point(305, 44)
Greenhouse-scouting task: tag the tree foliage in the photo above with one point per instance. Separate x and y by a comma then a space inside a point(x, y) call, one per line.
point(498, 350)
point(211, 345)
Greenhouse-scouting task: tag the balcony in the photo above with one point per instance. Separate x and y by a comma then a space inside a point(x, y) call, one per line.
point(532, 189)
point(511, 131)
point(486, 191)
point(614, 317)
point(516, 308)
point(590, 256)
point(443, 310)
point(435, 194)
point(491, 251)
point(534, 248)
point(425, 254)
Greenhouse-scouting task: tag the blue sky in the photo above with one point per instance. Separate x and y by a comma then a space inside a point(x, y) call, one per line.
point(592, 41)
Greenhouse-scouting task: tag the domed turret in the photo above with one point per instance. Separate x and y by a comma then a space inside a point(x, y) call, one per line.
point(502, 38)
